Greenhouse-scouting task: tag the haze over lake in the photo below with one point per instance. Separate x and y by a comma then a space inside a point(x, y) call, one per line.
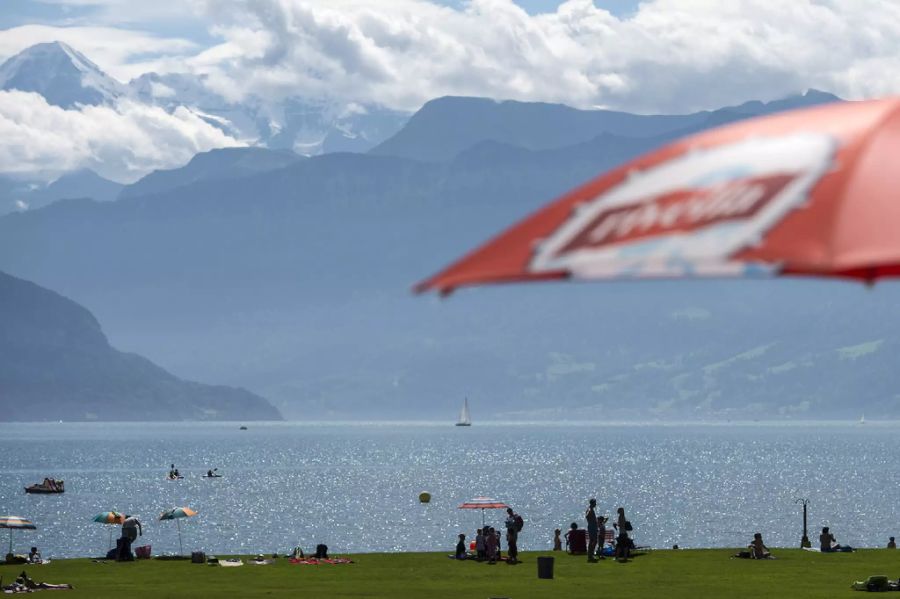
point(355, 486)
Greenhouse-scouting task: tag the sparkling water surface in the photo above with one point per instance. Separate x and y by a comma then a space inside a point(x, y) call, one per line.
point(355, 486)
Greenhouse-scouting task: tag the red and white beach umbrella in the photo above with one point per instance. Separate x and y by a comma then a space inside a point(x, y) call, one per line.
point(807, 192)
point(483, 503)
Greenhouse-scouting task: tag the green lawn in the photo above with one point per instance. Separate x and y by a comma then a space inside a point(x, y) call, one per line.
point(704, 573)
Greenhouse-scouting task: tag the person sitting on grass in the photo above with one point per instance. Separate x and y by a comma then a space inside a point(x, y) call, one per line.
point(891, 543)
point(479, 545)
point(461, 547)
point(758, 549)
point(828, 544)
point(34, 557)
point(490, 546)
point(572, 528)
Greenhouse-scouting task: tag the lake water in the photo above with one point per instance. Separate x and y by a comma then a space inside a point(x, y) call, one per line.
point(355, 487)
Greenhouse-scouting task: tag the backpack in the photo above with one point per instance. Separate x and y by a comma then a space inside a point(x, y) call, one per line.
point(519, 523)
point(628, 526)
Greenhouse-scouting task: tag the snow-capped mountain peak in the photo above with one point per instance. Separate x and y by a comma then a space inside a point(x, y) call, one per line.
point(61, 74)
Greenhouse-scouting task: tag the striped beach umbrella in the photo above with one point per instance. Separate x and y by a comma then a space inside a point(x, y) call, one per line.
point(176, 513)
point(15, 523)
point(483, 503)
point(110, 518)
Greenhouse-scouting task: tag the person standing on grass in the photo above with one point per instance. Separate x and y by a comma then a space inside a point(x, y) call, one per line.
point(623, 543)
point(601, 535)
point(592, 529)
point(557, 540)
point(131, 528)
point(513, 549)
point(513, 523)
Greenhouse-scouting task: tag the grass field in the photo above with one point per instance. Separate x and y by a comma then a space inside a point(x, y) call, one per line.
point(708, 573)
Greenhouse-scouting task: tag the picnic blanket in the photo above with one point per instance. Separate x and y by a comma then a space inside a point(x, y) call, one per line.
point(230, 563)
point(311, 561)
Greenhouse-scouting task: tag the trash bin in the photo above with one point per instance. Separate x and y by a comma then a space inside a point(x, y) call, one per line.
point(545, 567)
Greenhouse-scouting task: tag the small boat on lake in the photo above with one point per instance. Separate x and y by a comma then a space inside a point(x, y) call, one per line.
point(465, 419)
point(49, 486)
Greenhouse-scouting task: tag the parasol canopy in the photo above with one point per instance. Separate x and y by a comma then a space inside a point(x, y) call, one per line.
point(110, 518)
point(483, 503)
point(15, 523)
point(176, 513)
point(807, 192)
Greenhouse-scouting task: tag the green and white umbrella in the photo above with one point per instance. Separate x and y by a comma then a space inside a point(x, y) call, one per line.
point(15, 523)
point(176, 513)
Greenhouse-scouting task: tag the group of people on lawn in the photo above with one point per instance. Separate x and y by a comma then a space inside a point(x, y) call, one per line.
point(487, 542)
point(620, 547)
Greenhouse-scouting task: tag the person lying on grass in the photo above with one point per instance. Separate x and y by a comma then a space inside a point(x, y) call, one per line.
point(23, 584)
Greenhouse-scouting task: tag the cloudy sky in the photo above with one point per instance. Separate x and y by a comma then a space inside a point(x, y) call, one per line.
point(650, 56)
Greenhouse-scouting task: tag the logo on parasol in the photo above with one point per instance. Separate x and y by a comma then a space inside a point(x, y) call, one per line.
point(691, 214)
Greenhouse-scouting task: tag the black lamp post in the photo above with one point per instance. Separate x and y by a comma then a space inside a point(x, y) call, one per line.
point(804, 542)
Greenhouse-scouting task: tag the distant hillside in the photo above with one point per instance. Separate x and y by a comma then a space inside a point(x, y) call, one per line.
point(444, 127)
point(17, 196)
point(224, 163)
point(56, 364)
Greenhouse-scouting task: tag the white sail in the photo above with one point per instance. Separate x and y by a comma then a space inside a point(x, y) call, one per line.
point(464, 418)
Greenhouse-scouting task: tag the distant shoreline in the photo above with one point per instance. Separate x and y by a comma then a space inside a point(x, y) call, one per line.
point(484, 423)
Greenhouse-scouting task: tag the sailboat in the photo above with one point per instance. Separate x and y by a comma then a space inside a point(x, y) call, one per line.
point(862, 419)
point(464, 418)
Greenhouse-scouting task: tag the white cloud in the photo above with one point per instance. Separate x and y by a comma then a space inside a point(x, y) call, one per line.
point(120, 142)
point(671, 55)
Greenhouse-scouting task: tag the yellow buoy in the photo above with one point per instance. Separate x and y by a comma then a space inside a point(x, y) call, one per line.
point(424, 497)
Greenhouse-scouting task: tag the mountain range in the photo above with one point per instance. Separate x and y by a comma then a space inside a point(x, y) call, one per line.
point(290, 276)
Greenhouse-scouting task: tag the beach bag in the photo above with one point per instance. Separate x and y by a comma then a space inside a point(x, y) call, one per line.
point(198, 557)
point(142, 552)
point(520, 523)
